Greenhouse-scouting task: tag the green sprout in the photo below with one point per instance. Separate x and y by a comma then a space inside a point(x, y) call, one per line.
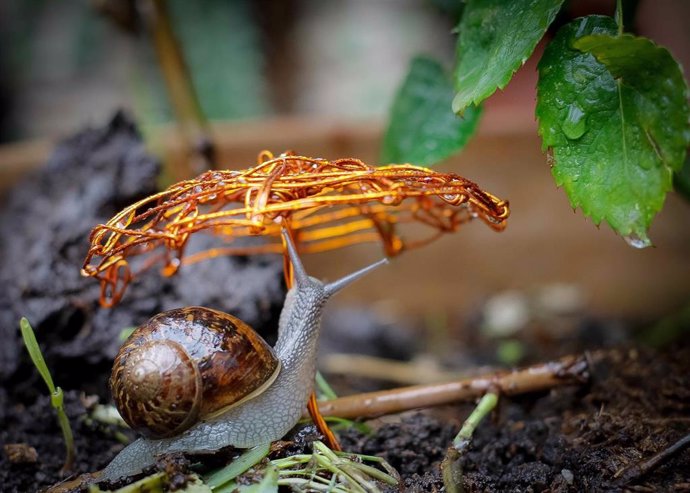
point(322, 470)
point(450, 467)
point(56, 395)
point(323, 387)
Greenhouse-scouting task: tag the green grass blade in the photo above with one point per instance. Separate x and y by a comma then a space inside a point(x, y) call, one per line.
point(324, 388)
point(245, 461)
point(56, 394)
point(35, 353)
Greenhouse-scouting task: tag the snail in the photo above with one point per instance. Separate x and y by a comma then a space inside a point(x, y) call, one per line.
point(185, 362)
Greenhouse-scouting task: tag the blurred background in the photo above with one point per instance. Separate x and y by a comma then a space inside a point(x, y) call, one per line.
point(70, 63)
point(319, 77)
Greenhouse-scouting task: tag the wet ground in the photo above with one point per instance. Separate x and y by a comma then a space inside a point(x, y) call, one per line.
point(586, 438)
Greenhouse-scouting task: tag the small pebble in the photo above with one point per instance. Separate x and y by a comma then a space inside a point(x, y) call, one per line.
point(20, 453)
point(567, 475)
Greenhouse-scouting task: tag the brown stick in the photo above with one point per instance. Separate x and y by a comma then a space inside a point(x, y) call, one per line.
point(566, 371)
point(643, 468)
point(180, 87)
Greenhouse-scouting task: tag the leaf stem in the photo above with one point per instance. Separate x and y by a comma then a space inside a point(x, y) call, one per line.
point(619, 16)
point(56, 400)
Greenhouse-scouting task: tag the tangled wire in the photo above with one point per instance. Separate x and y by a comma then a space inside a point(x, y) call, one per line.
point(325, 205)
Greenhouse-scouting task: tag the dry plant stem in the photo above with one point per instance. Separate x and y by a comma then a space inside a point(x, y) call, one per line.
point(80, 483)
point(565, 371)
point(180, 88)
point(636, 471)
point(413, 372)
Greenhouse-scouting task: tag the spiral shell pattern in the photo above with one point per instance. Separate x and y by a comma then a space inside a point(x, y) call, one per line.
point(185, 365)
point(157, 388)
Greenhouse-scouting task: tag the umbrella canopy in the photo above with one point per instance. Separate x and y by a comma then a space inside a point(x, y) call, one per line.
point(325, 205)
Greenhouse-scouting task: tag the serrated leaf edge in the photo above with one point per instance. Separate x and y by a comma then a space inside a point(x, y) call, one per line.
point(459, 108)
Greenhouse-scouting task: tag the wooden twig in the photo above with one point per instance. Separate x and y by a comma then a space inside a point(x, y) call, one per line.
point(415, 372)
point(180, 87)
point(643, 468)
point(565, 371)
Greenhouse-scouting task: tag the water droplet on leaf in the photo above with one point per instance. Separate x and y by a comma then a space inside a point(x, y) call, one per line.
point(636, 241)
point(575, 124)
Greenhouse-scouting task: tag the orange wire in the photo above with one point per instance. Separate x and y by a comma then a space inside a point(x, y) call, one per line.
point(328, 204)
point(321, 424)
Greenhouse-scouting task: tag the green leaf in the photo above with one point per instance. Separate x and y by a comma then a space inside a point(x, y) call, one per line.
point(652, 92)
point(324, 389)
point(422, 128)
point(616, 121)
point(496, 37)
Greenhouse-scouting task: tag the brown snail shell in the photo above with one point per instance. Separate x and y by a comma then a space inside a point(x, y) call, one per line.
point(188, 364)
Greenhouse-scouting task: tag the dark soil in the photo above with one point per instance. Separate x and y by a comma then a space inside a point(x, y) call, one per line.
point(570, 439)
point(36, 426)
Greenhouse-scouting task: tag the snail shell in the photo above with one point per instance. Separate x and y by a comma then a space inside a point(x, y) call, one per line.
point(188, 364)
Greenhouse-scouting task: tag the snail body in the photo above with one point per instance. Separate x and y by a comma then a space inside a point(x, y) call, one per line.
point(261, 416)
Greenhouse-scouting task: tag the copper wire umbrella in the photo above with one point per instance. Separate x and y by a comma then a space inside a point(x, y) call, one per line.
point(325, 204)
